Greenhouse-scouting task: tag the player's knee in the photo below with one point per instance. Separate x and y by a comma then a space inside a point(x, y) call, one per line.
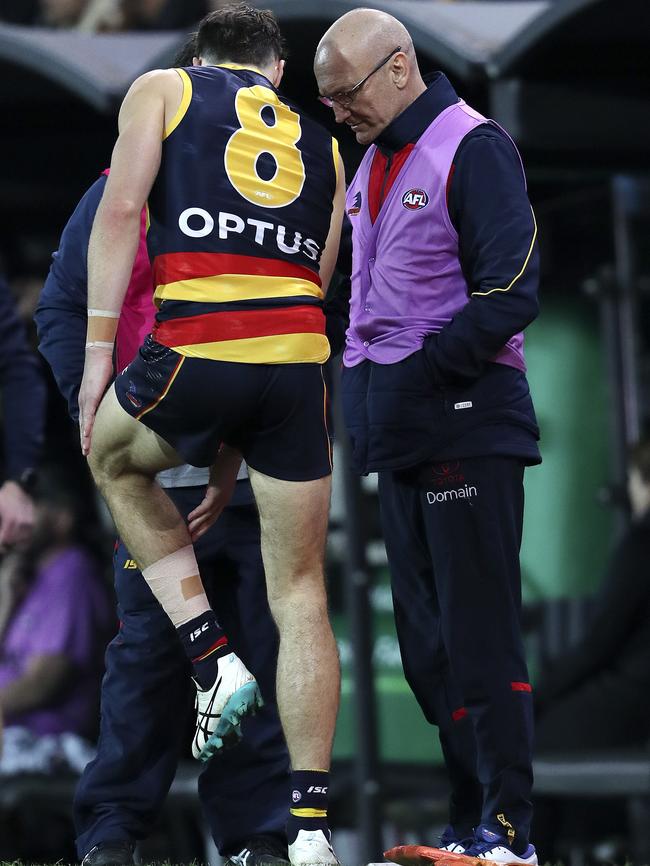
point(97, 464)
point(301, 592)
point(105, 465)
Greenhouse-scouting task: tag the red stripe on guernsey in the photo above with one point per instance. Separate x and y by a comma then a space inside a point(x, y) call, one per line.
point(459, 714)
point(239, 325)
point(172, 267)
point(221, 642)
point(521, 687)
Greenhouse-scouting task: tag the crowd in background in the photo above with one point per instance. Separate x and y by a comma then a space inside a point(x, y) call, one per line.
point(106, 16)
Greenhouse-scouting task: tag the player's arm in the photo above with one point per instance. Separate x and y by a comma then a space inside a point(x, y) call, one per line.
point(116, 229)
point(331, 251)
point(134, 166)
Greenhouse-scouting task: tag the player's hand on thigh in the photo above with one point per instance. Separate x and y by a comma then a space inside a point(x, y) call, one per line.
point(98, 372)
point(218, 493)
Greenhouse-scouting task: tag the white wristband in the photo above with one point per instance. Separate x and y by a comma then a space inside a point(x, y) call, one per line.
point(109, 314)
point(99, 344)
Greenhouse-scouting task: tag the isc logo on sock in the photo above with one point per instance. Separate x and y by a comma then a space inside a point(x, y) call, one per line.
point(199, 631)
point(317, 789)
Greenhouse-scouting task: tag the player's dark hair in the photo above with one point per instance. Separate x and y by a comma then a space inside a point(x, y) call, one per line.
point(639, 457)
point(187, 52)
point(239, 33)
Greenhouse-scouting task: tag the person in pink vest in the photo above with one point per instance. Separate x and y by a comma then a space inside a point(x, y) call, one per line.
point(435, 397)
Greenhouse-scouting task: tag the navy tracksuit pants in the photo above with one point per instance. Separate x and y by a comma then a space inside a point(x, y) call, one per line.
point(147, 692)
point(453, 533)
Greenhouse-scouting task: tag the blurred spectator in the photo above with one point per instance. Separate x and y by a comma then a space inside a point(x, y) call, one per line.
point(61, 13)
point(55, 617)
point(101, 16)
point(108, 15)
point(597, 695)
point(162, 14)
point(23, 412)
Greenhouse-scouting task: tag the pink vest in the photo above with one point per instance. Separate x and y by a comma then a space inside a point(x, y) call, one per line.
point(407, 280)
point(138, 311)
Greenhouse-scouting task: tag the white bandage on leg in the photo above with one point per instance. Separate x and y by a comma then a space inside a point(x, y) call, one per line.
point(176, 583)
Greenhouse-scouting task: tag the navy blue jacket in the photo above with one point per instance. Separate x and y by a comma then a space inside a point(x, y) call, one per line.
point(61, 314)
point(402, 414)
point(23, 393)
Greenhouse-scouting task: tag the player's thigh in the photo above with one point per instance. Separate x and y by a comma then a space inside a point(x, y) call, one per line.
point(122, 444)
point(288, 436)
point(293, 524)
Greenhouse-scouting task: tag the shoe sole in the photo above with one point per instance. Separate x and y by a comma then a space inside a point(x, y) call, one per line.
point(422, 855)
point(260, 860)
point(244, 702)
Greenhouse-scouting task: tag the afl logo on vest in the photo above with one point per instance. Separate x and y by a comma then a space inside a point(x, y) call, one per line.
point(415, 199)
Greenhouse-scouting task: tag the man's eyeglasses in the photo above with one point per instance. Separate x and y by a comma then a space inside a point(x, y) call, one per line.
point(345, 98)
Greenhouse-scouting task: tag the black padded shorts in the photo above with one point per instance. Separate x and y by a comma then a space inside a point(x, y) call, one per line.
point(275, 414)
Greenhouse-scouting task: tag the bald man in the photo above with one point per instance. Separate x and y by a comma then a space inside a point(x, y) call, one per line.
point(444, 280)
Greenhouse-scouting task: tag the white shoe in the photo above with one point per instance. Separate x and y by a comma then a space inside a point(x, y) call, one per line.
point(312, 848)
point(453, 848)
point(220, 709)
point(493, 847)
point(502, 855)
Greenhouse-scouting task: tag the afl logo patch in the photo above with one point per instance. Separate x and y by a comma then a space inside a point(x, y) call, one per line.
point(415, 199)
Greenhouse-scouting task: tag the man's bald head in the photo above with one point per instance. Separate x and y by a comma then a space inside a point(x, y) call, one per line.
point(362, 35)
point(352, 47)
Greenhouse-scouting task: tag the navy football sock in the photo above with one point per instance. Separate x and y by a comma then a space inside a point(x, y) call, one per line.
point(308, 809)
point(204, 642)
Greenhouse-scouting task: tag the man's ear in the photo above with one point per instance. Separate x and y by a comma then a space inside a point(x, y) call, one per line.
point(400, 69)
point(196, 61)
point(277, 78)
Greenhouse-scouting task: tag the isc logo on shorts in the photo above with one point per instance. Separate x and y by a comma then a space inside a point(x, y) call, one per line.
point(414, 199)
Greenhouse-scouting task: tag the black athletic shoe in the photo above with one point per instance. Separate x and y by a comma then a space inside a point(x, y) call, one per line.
point(110, 854)
point(261, 851)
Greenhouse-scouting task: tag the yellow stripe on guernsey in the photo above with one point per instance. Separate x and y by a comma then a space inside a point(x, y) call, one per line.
point(523, 267)
point(185, 103)
point(275, 349)
point(240, 66)
point(309, 813)
point(236, 287)
point(335, 154)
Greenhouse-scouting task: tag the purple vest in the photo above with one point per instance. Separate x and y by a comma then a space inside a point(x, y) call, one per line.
point(407, 280)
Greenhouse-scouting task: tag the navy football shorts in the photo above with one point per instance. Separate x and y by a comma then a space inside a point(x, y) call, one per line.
point(275, 414)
